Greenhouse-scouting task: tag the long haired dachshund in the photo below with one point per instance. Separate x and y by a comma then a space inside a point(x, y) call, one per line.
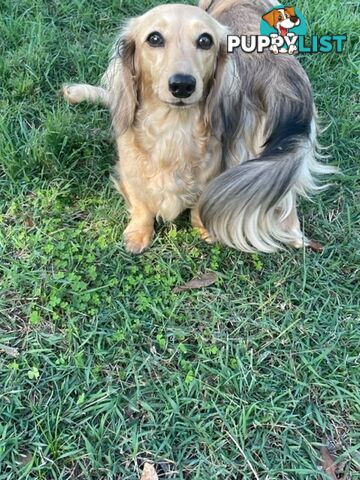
point(229, 136)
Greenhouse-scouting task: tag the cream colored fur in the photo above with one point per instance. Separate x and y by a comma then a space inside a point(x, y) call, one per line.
point(168, 153)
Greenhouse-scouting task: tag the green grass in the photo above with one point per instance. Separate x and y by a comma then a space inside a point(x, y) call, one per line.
point(250, 375)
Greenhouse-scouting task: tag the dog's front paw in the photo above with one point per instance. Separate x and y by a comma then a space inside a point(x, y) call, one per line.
point(136, 241)
point(72, 94)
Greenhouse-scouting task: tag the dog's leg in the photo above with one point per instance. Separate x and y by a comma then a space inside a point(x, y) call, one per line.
point(140, 230)
point(291, 227)
point(199, 227)
point(81, 92)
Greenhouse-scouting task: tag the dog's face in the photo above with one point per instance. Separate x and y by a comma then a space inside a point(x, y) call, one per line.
point(176, 52)
point(282, 19)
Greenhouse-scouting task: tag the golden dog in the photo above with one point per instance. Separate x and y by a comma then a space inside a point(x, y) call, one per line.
point(229, 136)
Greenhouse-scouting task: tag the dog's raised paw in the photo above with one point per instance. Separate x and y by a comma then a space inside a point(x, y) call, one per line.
point(72, 94)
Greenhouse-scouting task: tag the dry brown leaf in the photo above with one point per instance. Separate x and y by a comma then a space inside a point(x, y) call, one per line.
point(205, 280)
point(315, 246)
point(28, 222)
point(149, 472)
point(328, 464)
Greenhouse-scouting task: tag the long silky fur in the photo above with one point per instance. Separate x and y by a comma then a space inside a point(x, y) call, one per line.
point(269, 141)
point(260, 112)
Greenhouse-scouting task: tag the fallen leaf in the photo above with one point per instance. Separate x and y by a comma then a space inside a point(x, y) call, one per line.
point(149, 472)
point(28, 222)
point(205, 280)
point(11, 351)
point(315, 246)
point(328, 464)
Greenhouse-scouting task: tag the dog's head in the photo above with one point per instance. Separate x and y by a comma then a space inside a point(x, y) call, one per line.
point(282, 18)
point(174, 55)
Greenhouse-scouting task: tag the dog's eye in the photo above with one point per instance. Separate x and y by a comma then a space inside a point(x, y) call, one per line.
point(155, 39)
point(205, 41)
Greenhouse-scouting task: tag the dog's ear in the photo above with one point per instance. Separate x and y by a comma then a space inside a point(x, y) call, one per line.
point(290, 11)
point(121, 79)
point(270, 18)
point(212, 114)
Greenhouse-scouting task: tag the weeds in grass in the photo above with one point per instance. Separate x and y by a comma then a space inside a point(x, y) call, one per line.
point(102, 366)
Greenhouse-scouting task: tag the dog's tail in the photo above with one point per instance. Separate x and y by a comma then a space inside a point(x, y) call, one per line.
point(247, 206)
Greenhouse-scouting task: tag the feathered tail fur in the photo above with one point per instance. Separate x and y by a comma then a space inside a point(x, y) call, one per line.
point(252, 206)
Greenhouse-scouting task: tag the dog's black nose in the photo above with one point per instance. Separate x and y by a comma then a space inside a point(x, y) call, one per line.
point(294, 19)
point(182, 86)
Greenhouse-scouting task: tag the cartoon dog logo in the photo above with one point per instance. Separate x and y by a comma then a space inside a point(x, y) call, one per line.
point(283, 20)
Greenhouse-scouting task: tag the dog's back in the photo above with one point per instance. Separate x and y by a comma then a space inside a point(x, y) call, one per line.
point(242, 16)
point(265, 85)
point(269, 132)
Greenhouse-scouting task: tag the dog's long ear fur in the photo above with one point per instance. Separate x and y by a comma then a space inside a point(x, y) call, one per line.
point(121, 80)
point(221, 77)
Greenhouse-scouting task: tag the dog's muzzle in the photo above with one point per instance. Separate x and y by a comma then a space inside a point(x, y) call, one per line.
point(182, 86)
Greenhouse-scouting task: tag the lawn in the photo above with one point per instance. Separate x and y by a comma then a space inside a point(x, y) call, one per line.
point(102, 366)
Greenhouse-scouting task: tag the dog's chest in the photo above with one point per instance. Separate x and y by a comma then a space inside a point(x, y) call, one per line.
point(178, 163)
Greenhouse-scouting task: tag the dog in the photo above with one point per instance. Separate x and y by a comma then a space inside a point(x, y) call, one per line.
point(232, 137)
point(283, 20)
